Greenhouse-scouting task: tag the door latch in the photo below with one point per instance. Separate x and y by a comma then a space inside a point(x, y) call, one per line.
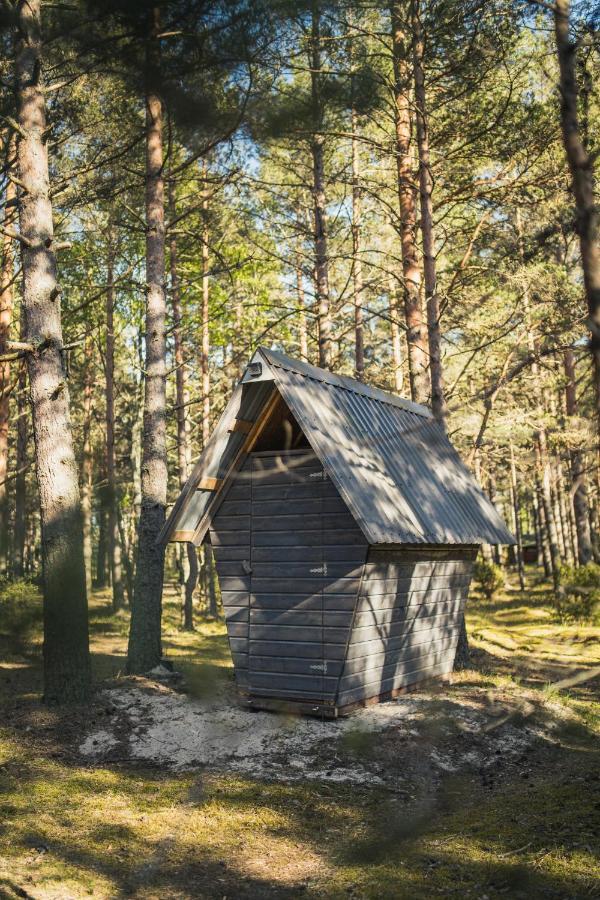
point(320, 667)
point(246, 567)
point(322, 570)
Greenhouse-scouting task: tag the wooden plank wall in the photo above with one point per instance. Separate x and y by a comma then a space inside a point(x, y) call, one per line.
point(230, 539)
point(288, 621)
point(407, 619)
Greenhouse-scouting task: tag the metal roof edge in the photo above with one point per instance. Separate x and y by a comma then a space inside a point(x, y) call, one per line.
point(277, 359)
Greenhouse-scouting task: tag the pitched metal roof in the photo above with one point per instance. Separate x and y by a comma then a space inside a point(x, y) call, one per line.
point(391, 462)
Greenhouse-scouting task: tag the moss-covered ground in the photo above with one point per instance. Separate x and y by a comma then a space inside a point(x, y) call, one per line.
point(71, 828)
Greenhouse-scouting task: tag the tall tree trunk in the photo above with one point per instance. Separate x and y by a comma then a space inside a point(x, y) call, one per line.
point(113, 542)
point(319, 196)
point(438, 399)
point(87, 464)
point(415, 332)
point(537, 524)
point(145, 648)
point(205, 319)
point(66, 647)
point(299, 272)
point(543, 524)
point(102, 574)
point(6, 313)
point(394, 311)
point(514, 490)
point(189, 556)
point(579, 490)
point(581, 166)
point(127, 557)
point(20, 530)
point(549, 520)
point(357, 272)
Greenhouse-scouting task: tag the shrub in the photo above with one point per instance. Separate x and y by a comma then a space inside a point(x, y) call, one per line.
point(20, 611)
point(578, 595)
point(489, 576)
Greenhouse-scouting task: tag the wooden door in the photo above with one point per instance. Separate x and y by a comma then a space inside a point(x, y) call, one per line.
point(286, 627)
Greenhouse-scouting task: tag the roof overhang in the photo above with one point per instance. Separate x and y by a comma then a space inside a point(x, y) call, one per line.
point(392, 464)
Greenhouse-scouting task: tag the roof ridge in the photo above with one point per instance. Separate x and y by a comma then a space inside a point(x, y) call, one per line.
point(276, 358)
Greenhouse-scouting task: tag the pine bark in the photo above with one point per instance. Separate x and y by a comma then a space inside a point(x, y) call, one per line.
point(20, 529)
point(102, 573)
point(6, 315)
point(299, 273)
point(113, 537)
point(205, 320)
point(415, 331)
point(357, 270)
point(145, 648)
point(579, 489)
point(189, 557)
point(438, 399)
point(394, 311)
point(581, 166)
point(546, 497)
point(87, 465)
point(319, 194)
point(66, 646)
point(514, 491)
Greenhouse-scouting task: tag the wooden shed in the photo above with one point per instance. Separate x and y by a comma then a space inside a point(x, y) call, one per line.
point(344, 527)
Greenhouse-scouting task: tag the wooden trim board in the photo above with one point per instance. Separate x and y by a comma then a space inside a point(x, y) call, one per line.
point(242, 425)
point(246, 447)
point(209, 484)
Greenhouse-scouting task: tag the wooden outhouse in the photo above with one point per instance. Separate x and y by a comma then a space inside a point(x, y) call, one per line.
point(344, 527)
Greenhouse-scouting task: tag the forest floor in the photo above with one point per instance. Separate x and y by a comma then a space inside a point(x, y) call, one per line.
point(166, 788)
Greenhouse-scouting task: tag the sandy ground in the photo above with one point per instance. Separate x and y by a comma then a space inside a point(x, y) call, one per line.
point(152, 723)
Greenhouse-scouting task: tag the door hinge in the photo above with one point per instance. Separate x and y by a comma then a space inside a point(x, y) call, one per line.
point(322, 570)
point(320, 474)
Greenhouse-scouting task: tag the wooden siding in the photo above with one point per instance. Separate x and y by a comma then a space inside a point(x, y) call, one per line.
point(374, 621)
point(230, 539)
point(288, 619)
point(406, 624)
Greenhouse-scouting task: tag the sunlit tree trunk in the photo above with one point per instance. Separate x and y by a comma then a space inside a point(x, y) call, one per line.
point(66, 652)
point(114, 541)
point(20, 529)
point(514, 490)
point(415, 331)
point(319, 196)
point(581, 165)
point(395, 313)
point(145, 648)
point(87, 463)
point(188, 553)
point(6, 314)
point(438, 399)
point(299, 274)
point(545, 476)
point(579, 490)
point(357, 271)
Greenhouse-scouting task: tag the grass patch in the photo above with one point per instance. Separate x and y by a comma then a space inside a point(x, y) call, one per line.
point(526, 830)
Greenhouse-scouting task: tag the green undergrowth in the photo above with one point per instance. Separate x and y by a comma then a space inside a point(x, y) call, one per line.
point(530, 829)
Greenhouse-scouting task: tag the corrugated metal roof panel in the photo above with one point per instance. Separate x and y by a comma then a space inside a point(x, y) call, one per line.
point(392, 463)
point(395, 468)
